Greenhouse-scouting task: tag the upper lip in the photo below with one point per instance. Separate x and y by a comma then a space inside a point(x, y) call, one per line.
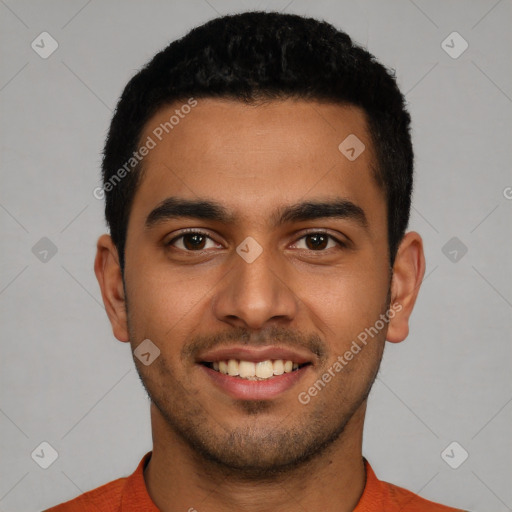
point(255, 354)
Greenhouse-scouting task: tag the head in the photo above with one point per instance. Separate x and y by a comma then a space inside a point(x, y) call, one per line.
point(259, 57)
point(236, 133)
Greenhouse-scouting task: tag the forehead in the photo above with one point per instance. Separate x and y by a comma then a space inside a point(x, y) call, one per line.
point(252, 157)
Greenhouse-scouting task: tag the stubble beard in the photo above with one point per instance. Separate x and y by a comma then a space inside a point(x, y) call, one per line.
point(259, 449)
point(255, 451)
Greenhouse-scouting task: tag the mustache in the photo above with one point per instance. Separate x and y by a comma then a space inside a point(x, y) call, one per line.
point(272, 335)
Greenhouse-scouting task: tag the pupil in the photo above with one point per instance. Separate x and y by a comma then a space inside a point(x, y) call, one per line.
point(320, 242)
point(197, 240)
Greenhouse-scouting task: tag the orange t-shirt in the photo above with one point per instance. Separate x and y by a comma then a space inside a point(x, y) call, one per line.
point(129, 494)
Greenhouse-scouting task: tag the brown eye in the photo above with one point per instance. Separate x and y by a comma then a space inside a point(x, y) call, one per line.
point(194, 241)
point(319, 241)
point(191, 241)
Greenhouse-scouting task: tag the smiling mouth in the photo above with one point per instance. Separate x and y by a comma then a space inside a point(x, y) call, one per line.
point(250, 370)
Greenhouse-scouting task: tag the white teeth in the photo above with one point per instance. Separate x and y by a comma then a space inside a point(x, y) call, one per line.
point(264, 369)
point(223, 367)
point(278, 367)
point(254, 371)
point(247, 369)
point(233, 367)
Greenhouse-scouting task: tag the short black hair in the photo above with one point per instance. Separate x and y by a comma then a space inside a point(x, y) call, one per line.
point(256, 56)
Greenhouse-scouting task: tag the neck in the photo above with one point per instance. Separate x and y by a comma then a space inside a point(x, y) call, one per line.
point(177, 478)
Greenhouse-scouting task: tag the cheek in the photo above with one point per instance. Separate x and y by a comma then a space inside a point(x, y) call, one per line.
point(346, 301)
point(163, 300)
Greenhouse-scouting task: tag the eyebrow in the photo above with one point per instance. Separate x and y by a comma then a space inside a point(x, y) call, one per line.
point(176, 208)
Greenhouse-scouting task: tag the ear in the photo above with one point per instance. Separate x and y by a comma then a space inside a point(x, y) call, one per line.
point(408, 272)
point(108, 273)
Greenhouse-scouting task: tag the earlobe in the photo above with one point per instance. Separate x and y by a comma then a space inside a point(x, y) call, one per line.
point(408, 272)
point(108, 274)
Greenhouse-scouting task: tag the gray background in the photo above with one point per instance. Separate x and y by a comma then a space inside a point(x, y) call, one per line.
point(67, 381)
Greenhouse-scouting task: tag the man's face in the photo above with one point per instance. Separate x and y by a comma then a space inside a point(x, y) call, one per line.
point(211, 296)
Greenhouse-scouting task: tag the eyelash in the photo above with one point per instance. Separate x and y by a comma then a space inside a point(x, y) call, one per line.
point(193, 231)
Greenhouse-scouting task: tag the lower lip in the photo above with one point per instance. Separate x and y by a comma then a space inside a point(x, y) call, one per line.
point(243, 389)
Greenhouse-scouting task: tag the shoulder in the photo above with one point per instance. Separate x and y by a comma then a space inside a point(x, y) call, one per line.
point(386, 497)
point(407, 501)
point(106, 498)
point(127, 493)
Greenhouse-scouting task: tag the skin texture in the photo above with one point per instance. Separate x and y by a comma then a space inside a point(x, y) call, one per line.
point(210, 451)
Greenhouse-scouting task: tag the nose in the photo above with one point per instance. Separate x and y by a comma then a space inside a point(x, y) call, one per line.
point(256, 293)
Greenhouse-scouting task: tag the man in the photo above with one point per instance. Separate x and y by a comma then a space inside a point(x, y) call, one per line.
point(258, 177)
